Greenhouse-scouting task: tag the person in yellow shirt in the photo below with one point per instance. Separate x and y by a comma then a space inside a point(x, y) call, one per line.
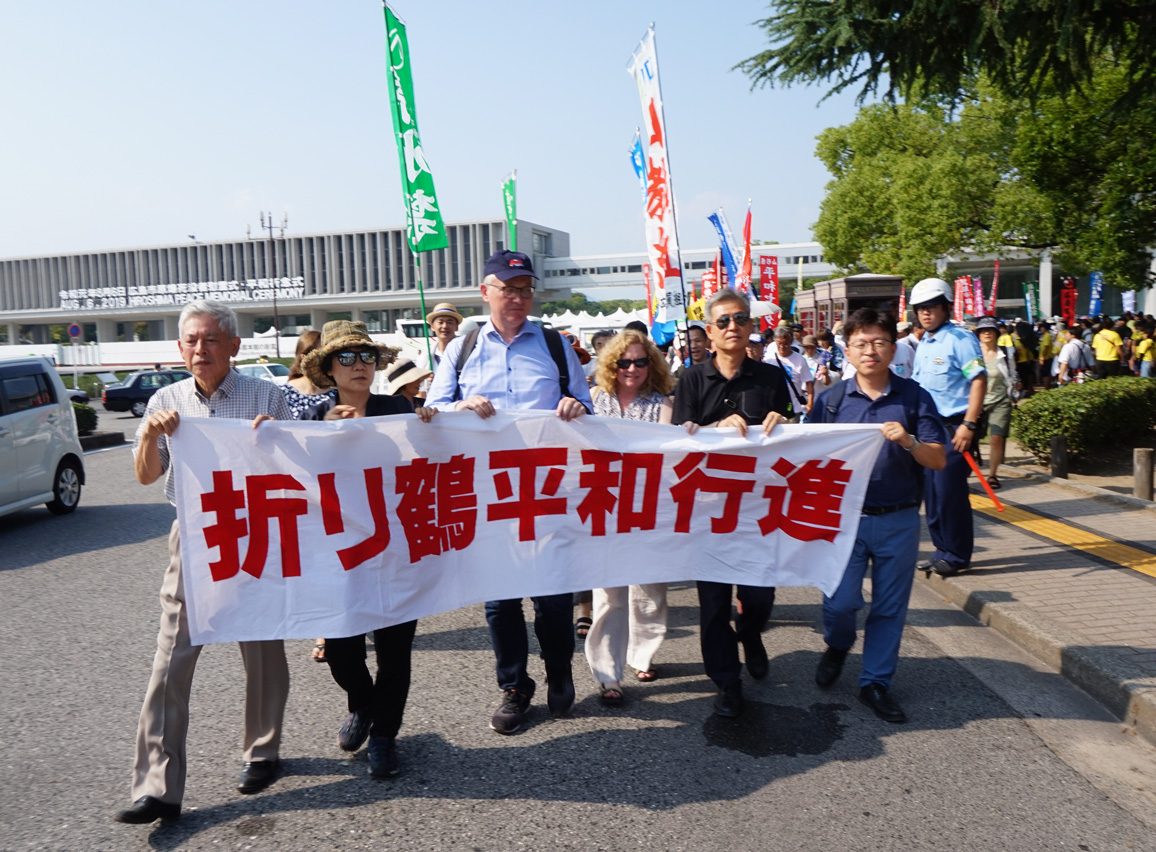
point(1109, 350)
point(1144, 352)
point(1046, 354)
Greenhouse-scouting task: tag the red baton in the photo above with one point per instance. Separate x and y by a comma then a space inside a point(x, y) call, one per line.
point(982, 480)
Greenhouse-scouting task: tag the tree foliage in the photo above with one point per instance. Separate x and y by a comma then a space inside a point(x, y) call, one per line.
point(934, 48)
point(1066, 172)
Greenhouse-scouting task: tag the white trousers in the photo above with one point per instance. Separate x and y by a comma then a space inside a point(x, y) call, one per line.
point(629, 625)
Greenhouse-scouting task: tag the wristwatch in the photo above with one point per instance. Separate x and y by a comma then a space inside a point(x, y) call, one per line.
point(915, 442)
point(971, 424)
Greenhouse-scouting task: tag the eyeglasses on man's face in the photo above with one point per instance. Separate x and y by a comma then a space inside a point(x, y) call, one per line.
point(347, 359)
point(740, 321)
point(524, 293)
point(880, 344)
point(626, 363)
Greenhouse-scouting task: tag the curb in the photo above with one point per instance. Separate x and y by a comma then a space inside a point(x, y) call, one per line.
point(1117, 684)
point(1091, 490)
point(100, 440)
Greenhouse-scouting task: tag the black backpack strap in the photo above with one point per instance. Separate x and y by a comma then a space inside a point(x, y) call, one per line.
point(833, 398)
point(468, 344)
point(558, 353)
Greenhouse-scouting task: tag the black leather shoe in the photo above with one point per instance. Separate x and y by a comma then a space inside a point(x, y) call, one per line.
point(875, 696)
point(257, 775)
point(945, 569)
point(383, 762)
point(354, 731)
point(729, 701)
point(925, 565)
point(756, 657)
point(830, 667)
point(148, 809)
point(560, 691)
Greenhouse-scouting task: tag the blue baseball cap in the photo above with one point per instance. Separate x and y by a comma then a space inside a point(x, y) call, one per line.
point(506, 264)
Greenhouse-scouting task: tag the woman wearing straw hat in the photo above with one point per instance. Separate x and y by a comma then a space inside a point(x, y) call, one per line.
point(405, 378)
point(347, 358)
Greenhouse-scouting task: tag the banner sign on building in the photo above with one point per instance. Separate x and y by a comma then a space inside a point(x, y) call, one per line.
point(424, 225)
point(510, 202)
point(994, 290)
point(303, 529)
point(661, 228)
point(1096, 294)
point(149, 295)
point(1031, 301)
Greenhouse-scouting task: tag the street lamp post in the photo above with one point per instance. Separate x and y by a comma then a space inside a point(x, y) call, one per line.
point(271, 269)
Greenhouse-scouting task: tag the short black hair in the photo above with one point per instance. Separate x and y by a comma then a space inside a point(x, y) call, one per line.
point(639, 326)
point(599, 335)
point(865, 317)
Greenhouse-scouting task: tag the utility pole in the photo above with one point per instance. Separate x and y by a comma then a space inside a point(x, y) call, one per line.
point(271, 269)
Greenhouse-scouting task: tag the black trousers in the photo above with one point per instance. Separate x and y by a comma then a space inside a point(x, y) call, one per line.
point(385, 696)
point(720, 642)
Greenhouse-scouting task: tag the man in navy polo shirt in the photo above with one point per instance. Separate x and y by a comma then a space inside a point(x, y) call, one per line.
point(888, 534)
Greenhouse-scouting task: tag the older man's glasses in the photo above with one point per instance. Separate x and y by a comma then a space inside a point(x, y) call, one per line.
point(347, 359)
point(740, 320)
point(524, 293)
point(879, 345)
point(626, 363)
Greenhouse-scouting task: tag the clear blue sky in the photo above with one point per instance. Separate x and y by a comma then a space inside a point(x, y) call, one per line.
point(137, 123)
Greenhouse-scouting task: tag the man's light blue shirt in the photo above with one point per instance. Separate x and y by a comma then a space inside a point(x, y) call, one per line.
point(946, 362)
point(518, 374)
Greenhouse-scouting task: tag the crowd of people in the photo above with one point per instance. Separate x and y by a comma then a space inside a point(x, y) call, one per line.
point(927, 386)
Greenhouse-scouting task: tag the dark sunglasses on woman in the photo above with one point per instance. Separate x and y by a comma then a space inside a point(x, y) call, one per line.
point(624, 363)
point(347, 359)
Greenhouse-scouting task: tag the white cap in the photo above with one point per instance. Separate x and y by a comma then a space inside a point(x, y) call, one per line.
point(930, 289)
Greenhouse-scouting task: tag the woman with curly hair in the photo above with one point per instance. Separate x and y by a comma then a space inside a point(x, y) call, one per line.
point(632, 381)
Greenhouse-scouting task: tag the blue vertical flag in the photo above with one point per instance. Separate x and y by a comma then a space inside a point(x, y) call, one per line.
point(1096, 302)
point(727, 244)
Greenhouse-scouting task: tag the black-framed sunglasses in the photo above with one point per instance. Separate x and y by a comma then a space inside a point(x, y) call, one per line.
point(740, 319)
point(624, 363)
point(347, 359)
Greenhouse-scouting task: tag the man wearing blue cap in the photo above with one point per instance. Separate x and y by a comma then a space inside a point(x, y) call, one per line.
point(511, 363)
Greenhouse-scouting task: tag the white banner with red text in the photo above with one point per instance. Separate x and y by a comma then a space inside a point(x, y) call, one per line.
point(297, 530)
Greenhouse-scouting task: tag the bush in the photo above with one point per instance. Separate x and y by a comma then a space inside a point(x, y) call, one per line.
point(85, 418)
point(1091, 415)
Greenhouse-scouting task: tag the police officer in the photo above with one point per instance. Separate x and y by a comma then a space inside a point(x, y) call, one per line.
point(949, 366)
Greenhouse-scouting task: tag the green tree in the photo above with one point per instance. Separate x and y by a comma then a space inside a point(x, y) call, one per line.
point(935, 48)
point(1068, 172)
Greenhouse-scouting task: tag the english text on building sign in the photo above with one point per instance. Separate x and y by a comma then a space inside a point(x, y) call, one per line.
point(248, 290)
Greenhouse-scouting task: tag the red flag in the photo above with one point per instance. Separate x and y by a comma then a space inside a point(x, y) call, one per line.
point(994, 285)
point(902, 303)
point(743, 285)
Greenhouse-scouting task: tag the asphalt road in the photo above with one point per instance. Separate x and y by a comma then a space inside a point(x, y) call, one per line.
point(999, 753)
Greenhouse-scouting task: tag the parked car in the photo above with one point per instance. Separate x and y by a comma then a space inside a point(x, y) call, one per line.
point(278, 374)
point(76, 395)
point(41, 460)
point(134, 393)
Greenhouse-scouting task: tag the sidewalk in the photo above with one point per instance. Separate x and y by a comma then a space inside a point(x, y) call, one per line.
point(1051, 574)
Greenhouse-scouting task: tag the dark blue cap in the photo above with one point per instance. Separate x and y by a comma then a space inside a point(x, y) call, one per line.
point(506, 264)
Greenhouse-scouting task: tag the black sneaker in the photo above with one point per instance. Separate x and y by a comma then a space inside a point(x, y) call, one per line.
point(383, 761)
point(354, 731)
point(729, 701)
point(511, 715)
point(560, 696)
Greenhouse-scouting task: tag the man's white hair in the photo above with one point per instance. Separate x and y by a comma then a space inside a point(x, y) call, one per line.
point(222, 313)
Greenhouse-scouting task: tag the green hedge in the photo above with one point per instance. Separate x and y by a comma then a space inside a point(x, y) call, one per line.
point(1091, 415)
point(85, 418)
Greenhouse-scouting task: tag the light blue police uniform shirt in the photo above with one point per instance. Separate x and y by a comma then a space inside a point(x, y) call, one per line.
point(518, 374)
point(946, 362)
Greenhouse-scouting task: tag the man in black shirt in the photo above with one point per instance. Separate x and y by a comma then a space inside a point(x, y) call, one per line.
point(735, 391)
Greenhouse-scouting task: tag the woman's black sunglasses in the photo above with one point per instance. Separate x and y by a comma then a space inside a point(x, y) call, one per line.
point(347, 359)
point(624, 363)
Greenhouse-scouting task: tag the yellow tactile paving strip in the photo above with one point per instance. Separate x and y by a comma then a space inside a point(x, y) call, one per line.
point(1092, 544)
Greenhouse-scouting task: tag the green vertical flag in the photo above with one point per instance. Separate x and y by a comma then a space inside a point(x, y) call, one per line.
point(510, 197)
point(423, 218)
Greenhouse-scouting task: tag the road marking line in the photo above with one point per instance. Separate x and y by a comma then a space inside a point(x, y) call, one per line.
point(1095, 545)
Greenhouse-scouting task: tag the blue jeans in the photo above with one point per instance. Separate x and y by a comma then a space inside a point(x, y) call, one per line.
point(891, 544)
point(553, 625)
point(1146, 369)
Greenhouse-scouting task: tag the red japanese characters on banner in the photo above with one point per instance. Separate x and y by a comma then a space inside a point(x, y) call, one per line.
point(284, 534)
point(709, 284)
point(994, 291)
point(1068, 296)
point(769, 287)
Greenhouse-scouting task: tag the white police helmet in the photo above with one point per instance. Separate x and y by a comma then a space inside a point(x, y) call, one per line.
point(929, 291)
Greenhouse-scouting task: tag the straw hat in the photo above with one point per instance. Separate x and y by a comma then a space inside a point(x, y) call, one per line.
point(443, 309)
point(336, 336)
point(401, 373)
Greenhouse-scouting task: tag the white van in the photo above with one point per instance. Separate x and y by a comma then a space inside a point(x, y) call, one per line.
point(41, 460)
